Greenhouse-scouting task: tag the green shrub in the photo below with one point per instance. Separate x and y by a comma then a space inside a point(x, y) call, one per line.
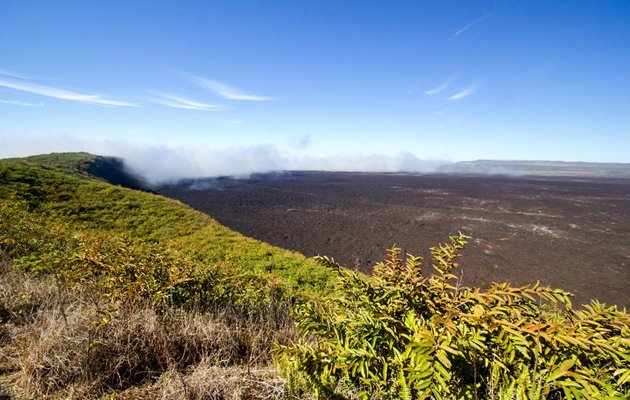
point(402, 334)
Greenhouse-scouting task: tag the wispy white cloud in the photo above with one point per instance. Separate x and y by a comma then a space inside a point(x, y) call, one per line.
point(21, 103)
point(463, 93)
point(470, 25)
point(226, 91)
point(62, 94)
point(440, 88)
point(175, 101)
point(14, 74)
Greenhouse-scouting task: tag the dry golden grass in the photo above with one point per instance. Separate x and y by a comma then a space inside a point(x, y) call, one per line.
point(209, 381)
point(60, 344)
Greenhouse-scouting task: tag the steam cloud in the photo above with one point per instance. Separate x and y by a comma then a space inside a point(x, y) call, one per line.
point(162, 164)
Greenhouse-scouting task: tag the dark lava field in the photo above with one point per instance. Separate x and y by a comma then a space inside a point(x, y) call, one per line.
point(567, 232)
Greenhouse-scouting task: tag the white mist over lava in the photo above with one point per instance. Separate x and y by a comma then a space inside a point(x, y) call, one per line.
point(159, 164)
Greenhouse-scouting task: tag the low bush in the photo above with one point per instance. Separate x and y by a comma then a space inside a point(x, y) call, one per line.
point(403, 334)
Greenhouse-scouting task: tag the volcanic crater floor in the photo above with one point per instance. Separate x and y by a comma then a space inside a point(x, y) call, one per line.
point(570, 233)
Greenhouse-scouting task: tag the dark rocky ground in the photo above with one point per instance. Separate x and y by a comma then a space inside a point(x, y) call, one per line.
point(568, 232)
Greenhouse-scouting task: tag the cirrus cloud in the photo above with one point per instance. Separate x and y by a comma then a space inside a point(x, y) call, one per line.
point(227, 91)
point(463, 93)
point(21, 103)
point(174, 101)
point(440, 88)
point(63, 94)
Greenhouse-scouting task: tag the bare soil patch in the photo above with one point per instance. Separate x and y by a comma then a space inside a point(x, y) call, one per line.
point(567, 232)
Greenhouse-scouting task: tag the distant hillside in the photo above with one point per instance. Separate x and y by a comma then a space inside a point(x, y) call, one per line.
point(540, 168)
point(110, 169)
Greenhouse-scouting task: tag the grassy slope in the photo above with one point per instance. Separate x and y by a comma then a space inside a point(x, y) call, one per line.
point(58, 188)
point(109, 291)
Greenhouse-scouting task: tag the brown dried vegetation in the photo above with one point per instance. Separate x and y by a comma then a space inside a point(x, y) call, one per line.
point(60, 344)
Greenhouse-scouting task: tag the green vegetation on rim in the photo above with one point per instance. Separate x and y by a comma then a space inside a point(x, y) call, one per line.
point(56, 189)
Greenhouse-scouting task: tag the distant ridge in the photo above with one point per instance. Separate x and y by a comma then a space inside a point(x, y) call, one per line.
point(109, 169)
point(112, 170)
point(540, 168)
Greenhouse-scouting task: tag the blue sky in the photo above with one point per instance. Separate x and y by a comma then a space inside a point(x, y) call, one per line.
point(257, 85)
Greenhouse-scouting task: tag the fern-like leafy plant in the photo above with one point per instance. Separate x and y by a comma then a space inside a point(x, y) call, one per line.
point(403, 334)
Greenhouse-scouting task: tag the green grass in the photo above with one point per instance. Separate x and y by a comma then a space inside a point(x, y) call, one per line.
point(56, 189)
